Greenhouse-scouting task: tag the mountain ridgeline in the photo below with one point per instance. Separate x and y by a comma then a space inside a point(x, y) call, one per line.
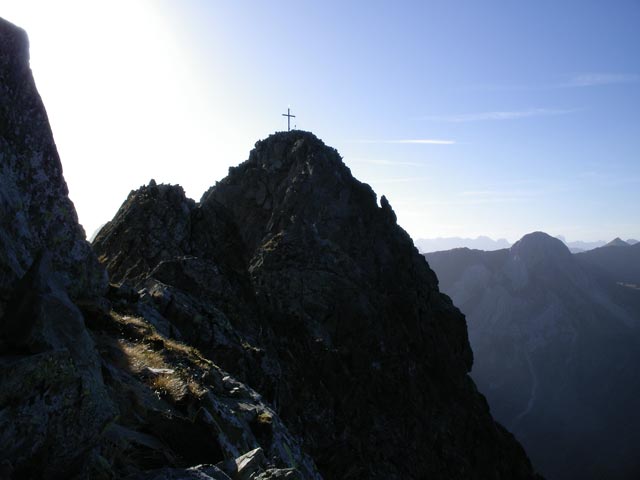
point(306, 289)
point(284, 327)
point(556, 341)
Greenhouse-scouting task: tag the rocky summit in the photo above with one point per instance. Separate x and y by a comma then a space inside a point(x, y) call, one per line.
point(291, 276)
point(284, 327)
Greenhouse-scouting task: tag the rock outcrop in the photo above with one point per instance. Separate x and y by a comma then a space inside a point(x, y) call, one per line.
point(35, 211)
point(289, 268)
point(556, 338)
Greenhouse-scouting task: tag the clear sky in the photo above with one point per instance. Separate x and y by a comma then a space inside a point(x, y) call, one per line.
point(473, 117)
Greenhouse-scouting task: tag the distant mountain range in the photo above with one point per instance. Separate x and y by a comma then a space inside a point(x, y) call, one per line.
point(556, 341)
point(428, 245)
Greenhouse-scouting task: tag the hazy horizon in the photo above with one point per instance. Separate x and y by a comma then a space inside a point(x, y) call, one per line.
point(479, 119)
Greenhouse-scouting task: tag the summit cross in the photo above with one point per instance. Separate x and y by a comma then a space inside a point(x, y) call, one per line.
point(288, 115)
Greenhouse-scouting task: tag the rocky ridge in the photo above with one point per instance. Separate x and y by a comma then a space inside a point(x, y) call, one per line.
point(289, 274)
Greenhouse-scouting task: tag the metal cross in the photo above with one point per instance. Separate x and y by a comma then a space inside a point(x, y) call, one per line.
point(288, 115)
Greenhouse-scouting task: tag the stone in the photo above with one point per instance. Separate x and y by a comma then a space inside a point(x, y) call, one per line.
point(246, 466)
point(279, 474)
point(44, 399)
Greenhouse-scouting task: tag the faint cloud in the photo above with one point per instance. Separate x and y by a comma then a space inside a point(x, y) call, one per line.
point(596, 79)
point(399, 180)
point(421, 141)
point(609, 179)
point(498, 115)
point(479, 197)
point(371, 161)
point(578, 80)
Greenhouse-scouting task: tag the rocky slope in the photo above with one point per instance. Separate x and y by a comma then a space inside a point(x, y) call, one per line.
point(89, 389)
point(290, 275)
point(556, 344)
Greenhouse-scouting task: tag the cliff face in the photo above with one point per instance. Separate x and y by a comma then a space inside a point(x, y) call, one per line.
point(50, 375)
point(290, 275)
point(35, 211)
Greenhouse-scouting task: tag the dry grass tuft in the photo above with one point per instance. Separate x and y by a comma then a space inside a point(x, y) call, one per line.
point(141, 357)
point(169, 367)
point(169, 385)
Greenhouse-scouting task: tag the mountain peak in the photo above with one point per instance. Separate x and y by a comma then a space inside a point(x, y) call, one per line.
point(536, 247)
point(293, 180)
point(617, 242)
point(281, 148)
point(335, 297)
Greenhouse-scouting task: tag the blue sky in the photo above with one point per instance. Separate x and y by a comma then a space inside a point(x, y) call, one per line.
point(474, 118)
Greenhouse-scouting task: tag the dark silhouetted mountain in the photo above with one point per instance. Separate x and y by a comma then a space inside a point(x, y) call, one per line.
point(426, 245)
point(289, 275)
point(556, 347)
point(339, 353)
point(632, 241)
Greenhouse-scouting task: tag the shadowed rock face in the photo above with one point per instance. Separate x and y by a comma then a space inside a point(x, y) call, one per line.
point(289, 267)
point(53, 403)
point(35, 211)
point(556, 339)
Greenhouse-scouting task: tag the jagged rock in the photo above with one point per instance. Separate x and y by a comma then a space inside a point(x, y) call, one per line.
point(249, 464)
point(187, 262)
point(279, 474)
point(54, 404)
point(35, 211)
point(338, 320)
point(177, 409)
